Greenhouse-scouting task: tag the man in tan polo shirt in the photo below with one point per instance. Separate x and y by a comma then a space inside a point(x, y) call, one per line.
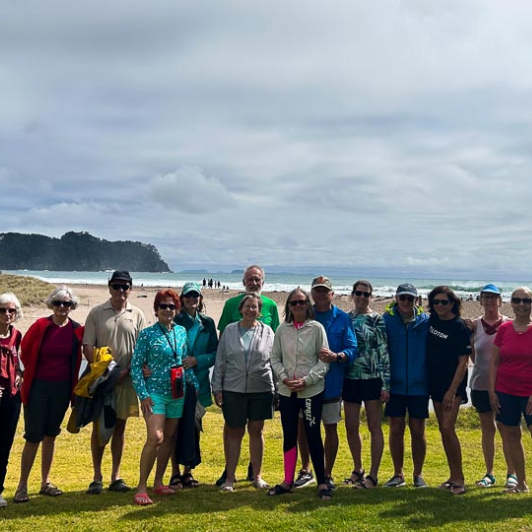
point(115, 324)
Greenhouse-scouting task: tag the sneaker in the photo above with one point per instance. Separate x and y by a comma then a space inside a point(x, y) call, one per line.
point(330, 483)
point(250, 472)
point(304, 479)
point(419, 482)
point(3, 502)
point(221, 481)
point(511, 481)
point(487, 481)
point(397, 481)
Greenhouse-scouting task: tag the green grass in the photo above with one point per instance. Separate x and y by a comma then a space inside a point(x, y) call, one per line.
point(30, 291)
point(206, 508)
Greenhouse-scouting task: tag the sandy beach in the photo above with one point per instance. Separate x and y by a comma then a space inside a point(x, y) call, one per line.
point(92, 295)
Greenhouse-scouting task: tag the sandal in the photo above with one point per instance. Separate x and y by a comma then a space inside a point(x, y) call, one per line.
point(278, 489)
point(457, 489)
point(447, 485)
point(189, 481)
point(51, 490)
point(359, 477)
point(260, 484)
point(511, 481)
point(325, 494)
point(163, 490)
point(119, 486)
point(95, 488)
point(227, 487)
point(514, 490)
point(487, 481)
point(364, 484)
point(21, 495)
point(142, 499)
point(175, 482)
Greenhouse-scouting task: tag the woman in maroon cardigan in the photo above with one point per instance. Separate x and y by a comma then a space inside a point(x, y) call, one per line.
point(51, 355)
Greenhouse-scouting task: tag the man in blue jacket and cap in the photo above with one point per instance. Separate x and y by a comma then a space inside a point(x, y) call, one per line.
point(407, 328)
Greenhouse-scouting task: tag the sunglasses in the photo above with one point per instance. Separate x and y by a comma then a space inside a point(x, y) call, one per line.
point(191, 295)
point(300, 302)
point(406, 298)
point(124, 287)
point(58, 303)
point(525, 300)
point(443, 302)
point(360, 293)
point(3, 310)
point(164, 306)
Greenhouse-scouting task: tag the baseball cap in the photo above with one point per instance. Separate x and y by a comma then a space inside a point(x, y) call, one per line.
point(490, 289)
point(321, 281)
point(190, 287)
point(406, 289)
point(121, 275)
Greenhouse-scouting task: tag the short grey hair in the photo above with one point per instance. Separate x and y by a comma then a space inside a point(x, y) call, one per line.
point(62, 292)
point(255, 267)
point(9, 297)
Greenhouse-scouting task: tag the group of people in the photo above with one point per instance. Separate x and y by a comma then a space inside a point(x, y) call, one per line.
point(305, 367)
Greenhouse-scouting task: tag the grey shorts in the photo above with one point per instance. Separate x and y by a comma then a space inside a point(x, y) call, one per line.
point(331, 413)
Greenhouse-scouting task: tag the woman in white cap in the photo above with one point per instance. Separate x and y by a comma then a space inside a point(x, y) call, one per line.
point(484, 329)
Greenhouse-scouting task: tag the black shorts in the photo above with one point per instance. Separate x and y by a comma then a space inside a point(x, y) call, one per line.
point(46, 408)
point(481, 401)
point(238, 408)
point(511, 409)
point(358, 390)
point(416, 405)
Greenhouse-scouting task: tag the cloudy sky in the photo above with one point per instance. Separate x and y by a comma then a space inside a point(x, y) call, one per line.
point(394, 135)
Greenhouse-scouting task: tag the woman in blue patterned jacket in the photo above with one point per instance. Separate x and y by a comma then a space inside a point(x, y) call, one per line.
point(162, 348)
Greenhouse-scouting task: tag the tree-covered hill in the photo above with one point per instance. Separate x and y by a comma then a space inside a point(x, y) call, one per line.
point(77, 252)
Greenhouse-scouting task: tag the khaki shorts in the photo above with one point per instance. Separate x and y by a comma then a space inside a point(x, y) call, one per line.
point(126, 400)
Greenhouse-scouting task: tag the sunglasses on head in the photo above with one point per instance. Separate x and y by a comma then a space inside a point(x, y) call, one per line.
point(525, 300)
point(58, 303)
point(124, 287)
point(3, 310)
point(164, 306)
point(443, 302)
point(361, 293)
point(406, 298)
point(191, 295)
point(301, 302)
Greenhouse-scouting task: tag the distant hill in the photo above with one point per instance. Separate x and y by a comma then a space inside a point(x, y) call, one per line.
point(77, 252)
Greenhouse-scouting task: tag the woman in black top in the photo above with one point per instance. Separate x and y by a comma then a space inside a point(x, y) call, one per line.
point(448, 349)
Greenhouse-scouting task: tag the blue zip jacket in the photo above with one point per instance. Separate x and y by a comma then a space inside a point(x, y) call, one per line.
point(407, 348)
point(341, 337)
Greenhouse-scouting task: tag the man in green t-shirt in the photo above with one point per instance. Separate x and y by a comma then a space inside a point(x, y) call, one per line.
point(253, 281)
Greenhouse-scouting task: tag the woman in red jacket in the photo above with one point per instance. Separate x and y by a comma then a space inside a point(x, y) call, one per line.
point(51, 354)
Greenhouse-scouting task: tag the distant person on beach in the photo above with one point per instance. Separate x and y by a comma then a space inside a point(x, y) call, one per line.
point(253, 282)
point(484, 329)
point(366, 381)
point(407, 328)
point(339, 355)
point(51, 355)
point(301, 374)
point(448, 351)
point(115, 324)
point(510, 384)
point(10, 380)
point(243, 387)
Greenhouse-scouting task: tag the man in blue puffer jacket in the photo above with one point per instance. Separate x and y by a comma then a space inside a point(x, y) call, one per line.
point(407, 327)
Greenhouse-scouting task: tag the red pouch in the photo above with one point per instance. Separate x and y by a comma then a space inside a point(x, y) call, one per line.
point(176, 378)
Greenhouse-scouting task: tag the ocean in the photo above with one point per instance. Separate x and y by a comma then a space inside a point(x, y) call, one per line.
point(275, 282)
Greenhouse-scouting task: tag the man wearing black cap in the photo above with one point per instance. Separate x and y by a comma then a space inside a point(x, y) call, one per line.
point(115, 324)
point(407, 328)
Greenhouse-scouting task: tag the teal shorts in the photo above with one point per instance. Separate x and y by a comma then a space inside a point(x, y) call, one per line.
point(167, 406)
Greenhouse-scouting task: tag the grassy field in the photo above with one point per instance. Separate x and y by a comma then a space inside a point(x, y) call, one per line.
point(30, 291)
point(206, 508)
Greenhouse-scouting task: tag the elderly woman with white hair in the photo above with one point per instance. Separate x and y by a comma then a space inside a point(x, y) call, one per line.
point(10, 379)
point(51, 355)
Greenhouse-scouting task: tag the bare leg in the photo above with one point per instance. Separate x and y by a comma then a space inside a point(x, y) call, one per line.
point(512, 438)
point(117, 447)
point(234, 444)
point(48, 447)
point(28, 458)
point(97, 455)
point(330, 447)
point(373, 413)
point(165, 450)
point(510, 470)
point(352, 432)
point(419, 444)
point(256, 447)
point(397, 443)
point(488, 429)
point(154, 438)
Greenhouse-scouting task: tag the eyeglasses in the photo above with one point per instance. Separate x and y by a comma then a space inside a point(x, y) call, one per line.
point(406, 298)
point(58, 303)
point(300, 302)
point(443, 302)
point(3, 310)
point(164, 306)
point(124, 287)
point(360, 293)
point(525, 300)
point(191, 295)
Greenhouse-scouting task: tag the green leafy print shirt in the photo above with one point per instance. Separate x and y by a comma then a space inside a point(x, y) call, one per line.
point(373, 359)
point(160, 349)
